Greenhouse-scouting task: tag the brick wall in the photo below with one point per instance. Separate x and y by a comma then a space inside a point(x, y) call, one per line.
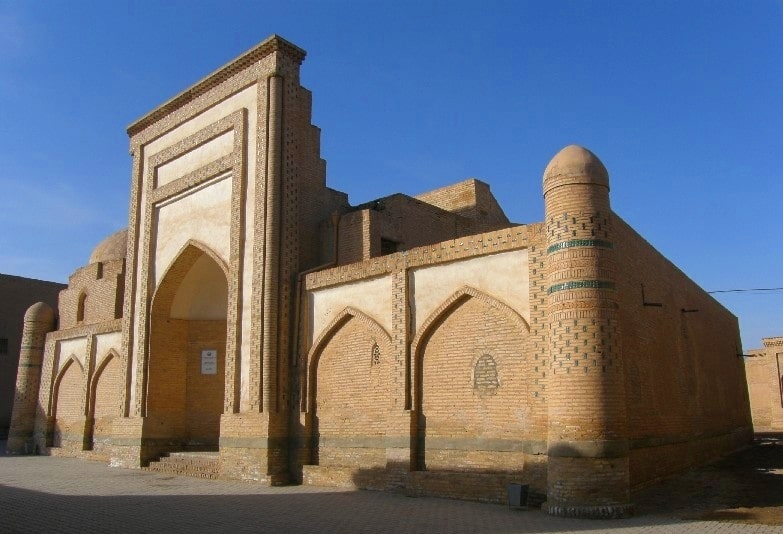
point(685, 383)
point(471, 199)
point(69, 427)
point(354, 240)
point(204, 392)
point(94, 294)
point(764, 369)
point(167, 389)
point(106, 409)
point(474, 391)
point(406, 221)
point(352, 397)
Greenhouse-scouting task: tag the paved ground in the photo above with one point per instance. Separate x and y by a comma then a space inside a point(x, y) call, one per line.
point(745, 487)
point(46, 494)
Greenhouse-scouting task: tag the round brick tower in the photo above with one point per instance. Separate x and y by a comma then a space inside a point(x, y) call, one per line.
point(587, 473)
point(38, 321)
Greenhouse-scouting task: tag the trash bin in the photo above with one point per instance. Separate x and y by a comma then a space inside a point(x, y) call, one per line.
point(517, 495)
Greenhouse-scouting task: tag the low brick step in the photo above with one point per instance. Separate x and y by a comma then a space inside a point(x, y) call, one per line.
point(193, 464)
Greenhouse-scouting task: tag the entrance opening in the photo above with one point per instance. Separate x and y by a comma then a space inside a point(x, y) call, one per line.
point(186, 383)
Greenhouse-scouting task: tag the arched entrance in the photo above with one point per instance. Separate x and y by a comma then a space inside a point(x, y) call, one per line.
point(187, 351)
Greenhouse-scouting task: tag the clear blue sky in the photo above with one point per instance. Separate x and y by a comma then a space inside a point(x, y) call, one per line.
point(681, 100)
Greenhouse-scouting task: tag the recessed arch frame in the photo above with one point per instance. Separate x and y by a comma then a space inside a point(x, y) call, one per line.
point(96, 376)
point(187, 255)
point(145, 196)
point(436, 319)
point(309, 382)
point(58, 380)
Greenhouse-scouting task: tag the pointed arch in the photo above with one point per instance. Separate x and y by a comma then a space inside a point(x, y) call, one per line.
point(58, 380)
point(469, 347)
point(186, 257)
point(165, 290)
point(436, 318)
point(112, 354)
point(188, 322)
point(103, 400)
point(326, 335)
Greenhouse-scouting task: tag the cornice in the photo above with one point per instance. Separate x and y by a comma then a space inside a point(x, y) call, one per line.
point(773, 341)
point(272, 44)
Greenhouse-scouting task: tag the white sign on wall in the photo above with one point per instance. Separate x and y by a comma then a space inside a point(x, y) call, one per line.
point(208, 362)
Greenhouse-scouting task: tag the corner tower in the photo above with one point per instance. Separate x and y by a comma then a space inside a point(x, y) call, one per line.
point(588, 472)
point(39, 320)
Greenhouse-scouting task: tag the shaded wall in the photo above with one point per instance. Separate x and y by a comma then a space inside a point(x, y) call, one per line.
point(685, 377)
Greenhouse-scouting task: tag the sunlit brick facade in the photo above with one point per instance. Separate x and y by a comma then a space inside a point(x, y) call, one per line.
point(421, 344)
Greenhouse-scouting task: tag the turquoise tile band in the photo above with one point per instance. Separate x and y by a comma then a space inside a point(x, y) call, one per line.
point(580, 284)
point(601, 243)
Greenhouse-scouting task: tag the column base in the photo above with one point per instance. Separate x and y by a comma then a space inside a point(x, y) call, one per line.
point(254, 447)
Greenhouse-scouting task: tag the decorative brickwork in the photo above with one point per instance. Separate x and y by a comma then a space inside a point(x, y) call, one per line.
point(38, 321)
point(350, 397)
point(585, 359)
point(233, 164)
point(419, 344)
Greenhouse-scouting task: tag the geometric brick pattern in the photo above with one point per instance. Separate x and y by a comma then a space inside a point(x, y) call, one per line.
point(585, 365)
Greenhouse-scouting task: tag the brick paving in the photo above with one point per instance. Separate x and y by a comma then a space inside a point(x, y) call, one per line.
point(63, 495)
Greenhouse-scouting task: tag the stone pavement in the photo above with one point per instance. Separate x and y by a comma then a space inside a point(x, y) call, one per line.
point(49, 494)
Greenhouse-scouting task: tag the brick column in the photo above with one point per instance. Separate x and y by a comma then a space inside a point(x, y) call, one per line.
point(587, 474)
point(398, 427)
point(38, 321)
point(254, 442)
point(271, 287)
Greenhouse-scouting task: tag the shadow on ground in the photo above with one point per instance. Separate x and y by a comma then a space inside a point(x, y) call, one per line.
point(40, 494)
point(744, 487)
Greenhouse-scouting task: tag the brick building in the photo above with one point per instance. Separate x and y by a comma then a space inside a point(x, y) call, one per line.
point(17, 294)
point(764, 369)
point(422, 344)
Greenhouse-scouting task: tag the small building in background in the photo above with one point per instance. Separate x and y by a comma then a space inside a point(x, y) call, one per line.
point(764, 369)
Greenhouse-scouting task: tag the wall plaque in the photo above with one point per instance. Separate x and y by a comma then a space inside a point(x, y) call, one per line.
point(208, 362)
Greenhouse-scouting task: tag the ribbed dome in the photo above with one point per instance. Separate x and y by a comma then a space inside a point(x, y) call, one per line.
point(40, 312)
point(575, 160)
point(112, 248)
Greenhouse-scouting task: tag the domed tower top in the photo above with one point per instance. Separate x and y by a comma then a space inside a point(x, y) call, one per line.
point(40, 312)
point(575, 165)
point(112, 248)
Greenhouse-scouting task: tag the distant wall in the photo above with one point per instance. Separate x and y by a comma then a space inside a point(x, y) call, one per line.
point(16, 295)
point(764, 368)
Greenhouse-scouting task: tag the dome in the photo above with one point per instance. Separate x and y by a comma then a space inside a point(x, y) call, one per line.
point(112, 248)
point(40, 312)
point(576, 161)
